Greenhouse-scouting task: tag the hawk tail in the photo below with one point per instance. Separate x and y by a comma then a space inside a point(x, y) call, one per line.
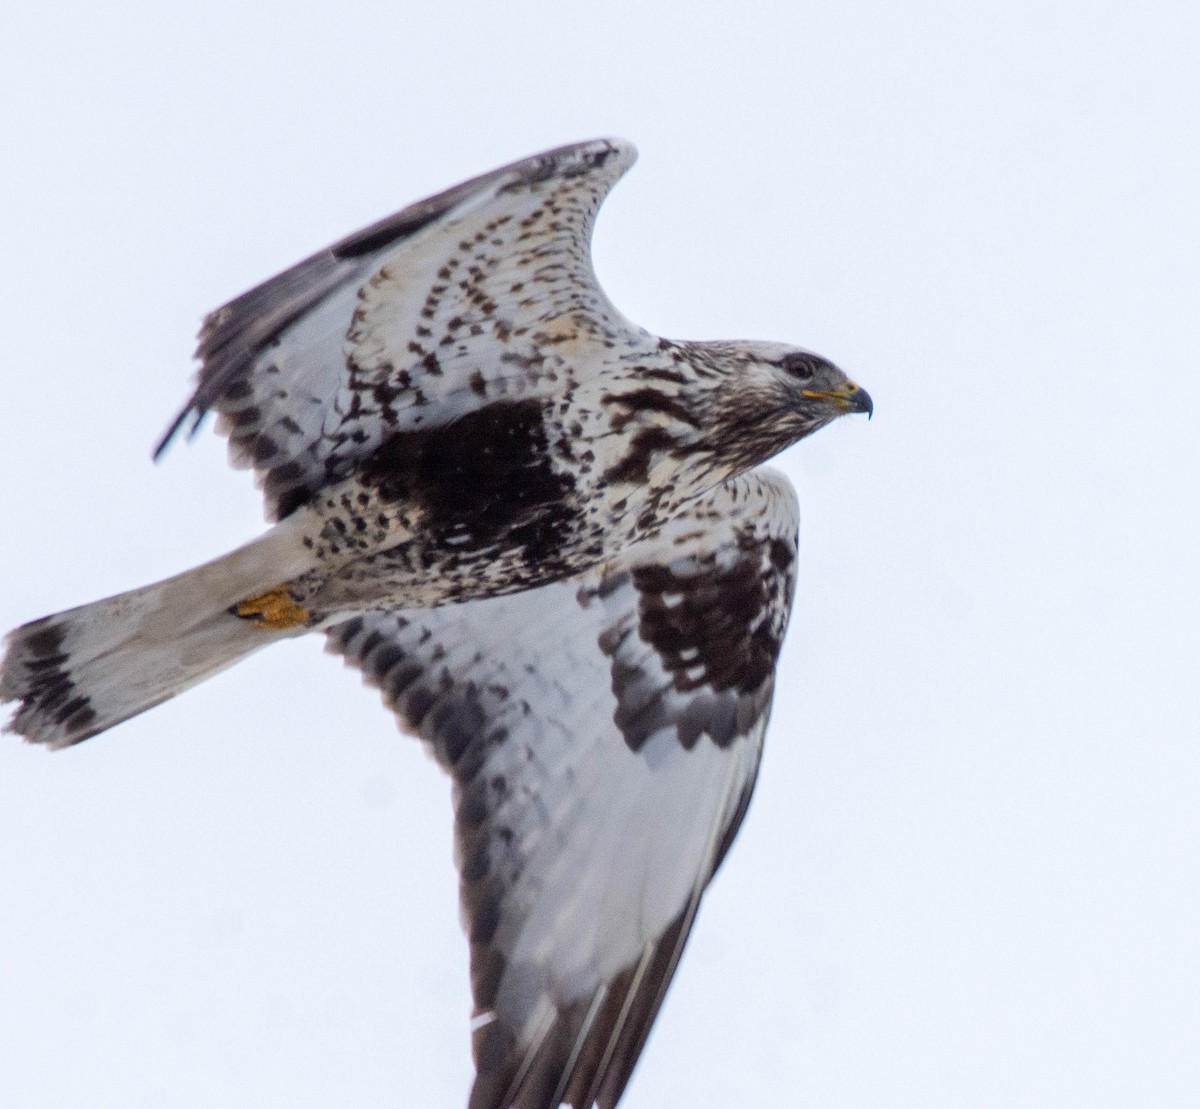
point(81, 671)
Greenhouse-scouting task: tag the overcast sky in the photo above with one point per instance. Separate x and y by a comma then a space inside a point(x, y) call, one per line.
point(969, 875)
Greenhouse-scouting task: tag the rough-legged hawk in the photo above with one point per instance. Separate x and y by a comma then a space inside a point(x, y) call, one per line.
point(542, 533)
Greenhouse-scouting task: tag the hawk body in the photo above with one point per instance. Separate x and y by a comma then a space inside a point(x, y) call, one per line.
point(541, 532)
point(461, 411)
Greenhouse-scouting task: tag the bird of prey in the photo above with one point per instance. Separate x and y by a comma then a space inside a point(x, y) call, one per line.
point(545, 535)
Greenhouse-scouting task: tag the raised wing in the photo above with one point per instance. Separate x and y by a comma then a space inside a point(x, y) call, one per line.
point(604, 735)
point(473, 295)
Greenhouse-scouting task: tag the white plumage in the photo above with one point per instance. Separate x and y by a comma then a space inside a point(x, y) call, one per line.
point(539, 530)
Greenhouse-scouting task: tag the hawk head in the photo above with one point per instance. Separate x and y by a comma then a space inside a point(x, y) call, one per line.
point(763, 397)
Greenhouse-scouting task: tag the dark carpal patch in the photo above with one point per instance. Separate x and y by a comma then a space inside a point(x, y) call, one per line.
point(485, 481)
point(700, 625)
point(716, 635)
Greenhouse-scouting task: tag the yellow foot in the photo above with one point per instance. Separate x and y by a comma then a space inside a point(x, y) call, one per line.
point(276, 608)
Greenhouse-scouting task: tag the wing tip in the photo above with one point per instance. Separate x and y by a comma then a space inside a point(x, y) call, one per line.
point(581, 1053)
point(169, 435)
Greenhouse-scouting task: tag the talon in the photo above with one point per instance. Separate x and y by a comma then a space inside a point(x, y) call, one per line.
point(276, 608)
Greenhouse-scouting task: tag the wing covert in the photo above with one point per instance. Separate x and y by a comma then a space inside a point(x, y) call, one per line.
point(473, 295)
point(603, 756)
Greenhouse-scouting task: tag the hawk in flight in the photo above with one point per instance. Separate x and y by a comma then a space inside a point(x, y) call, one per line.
point(544, 534)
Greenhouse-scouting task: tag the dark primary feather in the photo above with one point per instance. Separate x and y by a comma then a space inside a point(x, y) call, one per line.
point(560, 818)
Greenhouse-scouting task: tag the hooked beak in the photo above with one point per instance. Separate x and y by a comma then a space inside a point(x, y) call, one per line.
point(848, 398)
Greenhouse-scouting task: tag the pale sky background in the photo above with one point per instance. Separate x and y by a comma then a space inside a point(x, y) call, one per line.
point(969, 876)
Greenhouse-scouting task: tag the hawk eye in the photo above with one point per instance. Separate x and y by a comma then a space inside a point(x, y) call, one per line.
point(801, 366)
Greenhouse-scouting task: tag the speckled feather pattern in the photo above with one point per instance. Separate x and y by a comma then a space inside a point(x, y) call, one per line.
point(545, 535)
point(474, 360)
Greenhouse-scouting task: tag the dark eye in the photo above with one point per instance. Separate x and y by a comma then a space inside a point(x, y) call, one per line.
point(801, 366)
